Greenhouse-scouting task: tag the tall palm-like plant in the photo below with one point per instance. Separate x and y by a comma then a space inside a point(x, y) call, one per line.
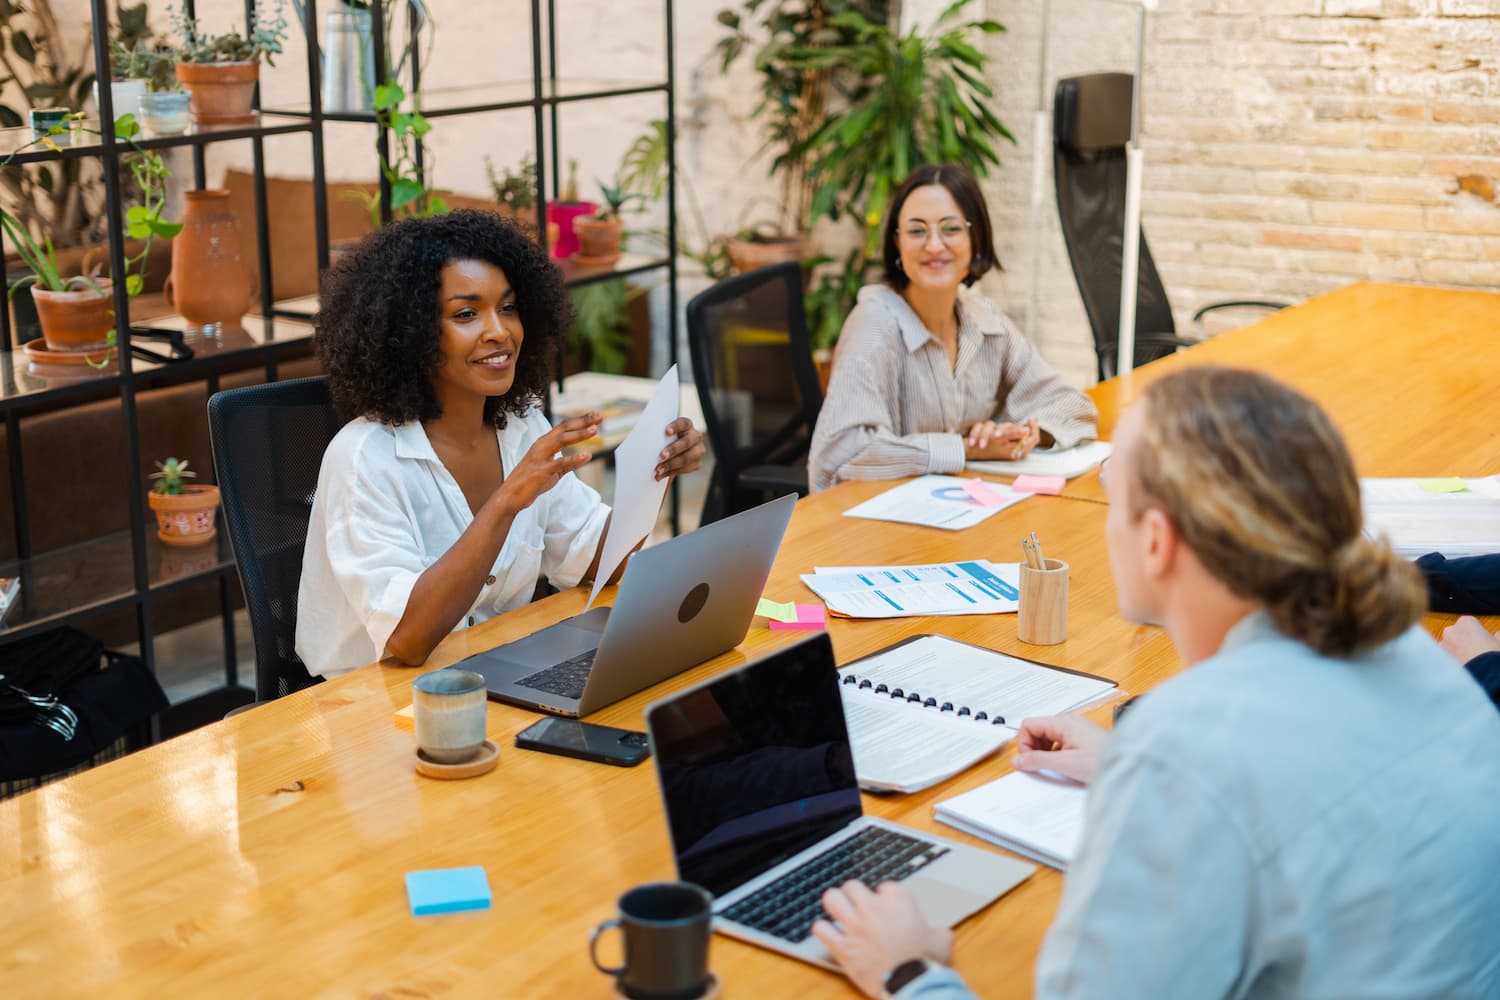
point(923, 99)
point(926, 102)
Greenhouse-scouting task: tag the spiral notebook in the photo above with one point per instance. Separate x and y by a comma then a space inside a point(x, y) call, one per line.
point(929, 707)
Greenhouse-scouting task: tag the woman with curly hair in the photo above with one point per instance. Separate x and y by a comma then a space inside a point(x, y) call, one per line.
point(445, 497)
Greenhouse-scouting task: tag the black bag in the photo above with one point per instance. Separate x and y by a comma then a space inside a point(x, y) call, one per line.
point(64, 698)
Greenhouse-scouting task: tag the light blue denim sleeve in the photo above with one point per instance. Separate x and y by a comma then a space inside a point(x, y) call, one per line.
point(937, 983)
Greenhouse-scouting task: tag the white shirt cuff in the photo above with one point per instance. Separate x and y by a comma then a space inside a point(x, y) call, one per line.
point(945, 453)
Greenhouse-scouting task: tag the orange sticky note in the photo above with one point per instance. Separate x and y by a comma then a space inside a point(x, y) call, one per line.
point(983, 493)
point(810, 617)
point(1049, 485)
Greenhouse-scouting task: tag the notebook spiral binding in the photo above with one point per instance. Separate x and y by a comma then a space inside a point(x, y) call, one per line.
point(960, 712)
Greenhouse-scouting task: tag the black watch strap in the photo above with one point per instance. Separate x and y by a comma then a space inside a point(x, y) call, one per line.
point(902, 975)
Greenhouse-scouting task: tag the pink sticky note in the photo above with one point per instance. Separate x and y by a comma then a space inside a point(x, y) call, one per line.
point(1050, 485)
point(983, 493)
point(809, 616)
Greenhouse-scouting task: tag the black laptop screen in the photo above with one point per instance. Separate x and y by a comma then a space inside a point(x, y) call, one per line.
point(755, 766)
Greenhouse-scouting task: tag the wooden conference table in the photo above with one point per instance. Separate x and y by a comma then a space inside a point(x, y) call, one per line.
point(265, 855)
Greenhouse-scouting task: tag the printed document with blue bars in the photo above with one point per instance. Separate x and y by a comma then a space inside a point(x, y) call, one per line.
point(972, 587)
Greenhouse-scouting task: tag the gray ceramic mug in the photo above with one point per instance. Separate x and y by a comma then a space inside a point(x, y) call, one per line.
point(448, 708)
point(667, 926)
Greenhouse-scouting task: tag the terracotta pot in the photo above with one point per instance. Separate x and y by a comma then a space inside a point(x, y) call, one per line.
point(223, 92)
point(79, 320)
point(564, 213)
point(598, 241)
point(747, 255)
point(186, 518)
point(209, 283)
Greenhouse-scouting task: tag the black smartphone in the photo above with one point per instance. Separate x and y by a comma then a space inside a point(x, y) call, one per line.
point(586, 741)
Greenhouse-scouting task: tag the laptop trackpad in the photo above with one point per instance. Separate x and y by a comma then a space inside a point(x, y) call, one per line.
point(559, 642)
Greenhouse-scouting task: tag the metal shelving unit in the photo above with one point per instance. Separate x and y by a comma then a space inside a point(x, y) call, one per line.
point(130, 570)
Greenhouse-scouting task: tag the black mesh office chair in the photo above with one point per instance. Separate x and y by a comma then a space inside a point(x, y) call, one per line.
point(268, 443)
point(757, 383)
point(1091, 128)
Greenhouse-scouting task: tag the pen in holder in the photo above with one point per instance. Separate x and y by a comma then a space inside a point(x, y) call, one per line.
point(1043, 616)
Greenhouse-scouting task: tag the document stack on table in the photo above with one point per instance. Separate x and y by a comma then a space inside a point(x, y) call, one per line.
point(976, 587)
point(1066, 462)
point(1457, 517)
point(1039, 817)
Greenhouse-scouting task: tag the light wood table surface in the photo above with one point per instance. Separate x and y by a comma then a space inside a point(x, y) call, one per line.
point(265, 855)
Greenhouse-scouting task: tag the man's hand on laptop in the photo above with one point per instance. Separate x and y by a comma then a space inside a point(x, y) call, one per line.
point(1069, 745)
point(873, 932)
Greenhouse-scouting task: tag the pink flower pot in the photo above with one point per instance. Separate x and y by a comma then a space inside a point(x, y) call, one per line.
point(563, 213)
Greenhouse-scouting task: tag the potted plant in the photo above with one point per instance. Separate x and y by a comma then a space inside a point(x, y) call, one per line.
point(564, 211)
point(165, 106)
point(599, 234)
point(515, 193)
point(785, 45)
point(184, 514)
point(126, 69)
point(221, 71)
point(76, 311)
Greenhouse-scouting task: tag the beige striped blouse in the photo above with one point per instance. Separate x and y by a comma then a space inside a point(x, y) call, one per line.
point(894, 408)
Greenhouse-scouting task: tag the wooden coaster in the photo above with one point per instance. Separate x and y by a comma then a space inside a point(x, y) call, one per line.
point(489, 756)
point(712, 993)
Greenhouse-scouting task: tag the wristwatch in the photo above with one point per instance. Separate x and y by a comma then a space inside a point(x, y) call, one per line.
point(903, 975)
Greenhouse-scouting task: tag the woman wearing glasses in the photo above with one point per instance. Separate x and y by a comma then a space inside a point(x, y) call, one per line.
point(928, 374)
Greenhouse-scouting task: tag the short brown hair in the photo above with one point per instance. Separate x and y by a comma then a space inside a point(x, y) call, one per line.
point(965, 190)
point(1262, 487)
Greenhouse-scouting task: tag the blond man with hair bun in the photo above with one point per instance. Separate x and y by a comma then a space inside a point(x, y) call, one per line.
point(1313, 808)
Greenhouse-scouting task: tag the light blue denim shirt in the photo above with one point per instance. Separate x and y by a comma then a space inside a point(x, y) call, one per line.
point(1275, 823)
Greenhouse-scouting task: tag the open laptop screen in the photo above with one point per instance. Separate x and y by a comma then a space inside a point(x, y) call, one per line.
point(755, 766)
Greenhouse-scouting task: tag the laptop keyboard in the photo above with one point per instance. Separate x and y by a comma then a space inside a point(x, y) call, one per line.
point(787, 907)
point(566, 678)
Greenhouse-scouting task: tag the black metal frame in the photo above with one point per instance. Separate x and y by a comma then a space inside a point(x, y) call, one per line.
point(19, 400)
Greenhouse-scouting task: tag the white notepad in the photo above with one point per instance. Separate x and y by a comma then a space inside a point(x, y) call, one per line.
point(1417, 521)
point(1039, 817)
point(1069, 463)
point(904, 746)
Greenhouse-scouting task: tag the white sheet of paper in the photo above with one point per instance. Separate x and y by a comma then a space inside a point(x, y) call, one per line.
point(933, 501)
point(1066, 462)
point(638, 494)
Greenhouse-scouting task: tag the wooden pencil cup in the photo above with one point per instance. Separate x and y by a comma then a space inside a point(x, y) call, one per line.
point(1043, 616)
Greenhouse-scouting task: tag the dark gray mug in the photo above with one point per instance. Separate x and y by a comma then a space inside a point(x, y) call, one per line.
point(666, 928)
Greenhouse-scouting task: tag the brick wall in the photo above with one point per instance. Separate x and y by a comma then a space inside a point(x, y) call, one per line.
point(1292, 146)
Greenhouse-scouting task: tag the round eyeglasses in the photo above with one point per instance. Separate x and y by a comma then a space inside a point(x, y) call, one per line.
point(950, 231)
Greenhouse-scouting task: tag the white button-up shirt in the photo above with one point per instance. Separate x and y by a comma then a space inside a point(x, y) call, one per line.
point(387, 508)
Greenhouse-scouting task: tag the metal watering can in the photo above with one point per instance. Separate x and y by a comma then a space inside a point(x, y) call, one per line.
point(348, 58)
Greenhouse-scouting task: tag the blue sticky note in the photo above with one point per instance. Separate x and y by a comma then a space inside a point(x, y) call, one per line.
point(447, 890)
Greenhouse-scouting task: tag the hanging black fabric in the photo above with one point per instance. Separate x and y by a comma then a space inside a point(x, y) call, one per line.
point(64, 697)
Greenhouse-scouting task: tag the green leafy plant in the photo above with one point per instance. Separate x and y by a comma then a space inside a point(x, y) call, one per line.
point(643, 171)
point(267, 33)
point(796, 96)
point(614, 201)
point(407, 128)
point(601, 324)
point(926, 102)
point(143, 221)
point(152, 63)
point(170, 475)
point(515, 189)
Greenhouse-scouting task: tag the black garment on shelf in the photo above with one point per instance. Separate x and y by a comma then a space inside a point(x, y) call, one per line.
point(104, 694)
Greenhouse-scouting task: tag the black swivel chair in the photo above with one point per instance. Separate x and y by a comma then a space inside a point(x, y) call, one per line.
point(758, 386)
point(1091, 128)
point(268, 443)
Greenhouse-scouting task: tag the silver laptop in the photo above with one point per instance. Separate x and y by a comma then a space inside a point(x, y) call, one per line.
point(763, 807)
point(679, 603)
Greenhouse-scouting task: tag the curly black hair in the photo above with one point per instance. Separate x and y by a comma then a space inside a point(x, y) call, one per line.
point(377, 325)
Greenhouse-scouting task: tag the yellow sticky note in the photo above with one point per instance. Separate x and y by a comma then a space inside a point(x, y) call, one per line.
point(776, 610)
point(1450, 485)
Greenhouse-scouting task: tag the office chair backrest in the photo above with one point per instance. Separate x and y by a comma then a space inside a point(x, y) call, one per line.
point(752, 362)
point(1091, 128)
point(268, 443)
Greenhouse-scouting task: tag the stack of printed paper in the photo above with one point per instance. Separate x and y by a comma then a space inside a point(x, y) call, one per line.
point(977, 587)
point(1457, 517)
